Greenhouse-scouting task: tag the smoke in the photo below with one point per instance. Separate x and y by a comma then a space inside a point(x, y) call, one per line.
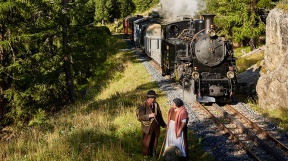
point(172, 9)
point(154, 30)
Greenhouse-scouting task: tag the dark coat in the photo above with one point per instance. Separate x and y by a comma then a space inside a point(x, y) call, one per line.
point(144, 111)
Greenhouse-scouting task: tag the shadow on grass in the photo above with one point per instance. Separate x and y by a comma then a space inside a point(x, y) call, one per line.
point(126, 100)
point(90, 145)
point(117, 65)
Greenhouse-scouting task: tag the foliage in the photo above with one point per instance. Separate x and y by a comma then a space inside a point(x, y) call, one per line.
point(127, 7)
point(32, 74)
point(239, 20)
point(107, 10)
point(31, 68)
point(38, 119)
point(143, 5)
point(110, 10)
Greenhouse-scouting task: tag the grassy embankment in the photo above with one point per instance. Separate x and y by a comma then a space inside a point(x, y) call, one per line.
point(245, 62)
point(103, 127)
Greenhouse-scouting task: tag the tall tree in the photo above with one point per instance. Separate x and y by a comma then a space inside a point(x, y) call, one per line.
point(127, 7)
point(1, 80)
point(107, 10)
point(67, 60)
point(100, 11)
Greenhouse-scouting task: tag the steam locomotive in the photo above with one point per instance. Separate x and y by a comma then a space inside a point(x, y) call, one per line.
point(191, 53)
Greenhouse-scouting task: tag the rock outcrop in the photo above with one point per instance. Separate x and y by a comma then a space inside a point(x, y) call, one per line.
point(272, 86)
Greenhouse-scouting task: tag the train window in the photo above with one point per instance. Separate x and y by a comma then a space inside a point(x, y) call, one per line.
point(173, 31)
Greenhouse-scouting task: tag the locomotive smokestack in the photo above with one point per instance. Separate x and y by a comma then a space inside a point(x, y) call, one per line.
point(208, 21)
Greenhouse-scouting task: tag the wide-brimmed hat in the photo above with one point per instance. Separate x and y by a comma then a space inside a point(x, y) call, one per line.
point(151, 94)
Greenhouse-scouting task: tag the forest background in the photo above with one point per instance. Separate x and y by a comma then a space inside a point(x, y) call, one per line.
point(52, 51)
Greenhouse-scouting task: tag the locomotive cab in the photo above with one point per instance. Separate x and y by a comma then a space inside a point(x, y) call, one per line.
point(172, 45)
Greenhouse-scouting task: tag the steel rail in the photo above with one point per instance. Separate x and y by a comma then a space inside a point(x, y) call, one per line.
point(257, 141)
point(260, 130)
point(231, 135)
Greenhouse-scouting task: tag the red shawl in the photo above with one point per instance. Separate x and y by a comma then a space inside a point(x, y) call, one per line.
point(180, 115)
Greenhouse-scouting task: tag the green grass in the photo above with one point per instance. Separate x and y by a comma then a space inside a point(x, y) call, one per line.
point(101, 128)
point(238, 51)
point(278, 116)
point(243, 63)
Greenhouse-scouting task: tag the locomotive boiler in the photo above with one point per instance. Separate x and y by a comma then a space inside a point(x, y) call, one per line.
point(202, 62)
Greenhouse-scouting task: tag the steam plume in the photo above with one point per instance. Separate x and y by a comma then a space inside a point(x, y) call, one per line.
point(175, 8)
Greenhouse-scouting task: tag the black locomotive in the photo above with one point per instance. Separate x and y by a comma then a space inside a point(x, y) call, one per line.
point(202, 62)
point(191, 53)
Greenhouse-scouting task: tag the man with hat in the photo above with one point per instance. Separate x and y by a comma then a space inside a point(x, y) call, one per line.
point(151, 119)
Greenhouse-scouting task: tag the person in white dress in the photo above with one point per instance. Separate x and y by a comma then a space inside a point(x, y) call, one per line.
point(177, 127)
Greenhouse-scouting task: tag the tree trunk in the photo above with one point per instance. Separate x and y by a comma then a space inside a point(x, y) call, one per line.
point(67, 62)
point(1, 83)
point(252, 41)
point(252, 44)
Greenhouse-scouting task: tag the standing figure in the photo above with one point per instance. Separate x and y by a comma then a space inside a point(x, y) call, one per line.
point(151, 119)
point(177, 127)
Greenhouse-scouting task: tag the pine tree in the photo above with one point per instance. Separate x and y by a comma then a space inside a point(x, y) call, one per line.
point(2, 62)
point(127, 7)
point(66, 53)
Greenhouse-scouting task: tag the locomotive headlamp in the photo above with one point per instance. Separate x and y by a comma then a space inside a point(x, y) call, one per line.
point(195, 68)
point(195, 75)
point(212, 32)
point(230, 74)
point(230, 68)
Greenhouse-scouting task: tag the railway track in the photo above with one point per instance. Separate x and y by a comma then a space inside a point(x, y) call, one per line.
point(251, 137)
